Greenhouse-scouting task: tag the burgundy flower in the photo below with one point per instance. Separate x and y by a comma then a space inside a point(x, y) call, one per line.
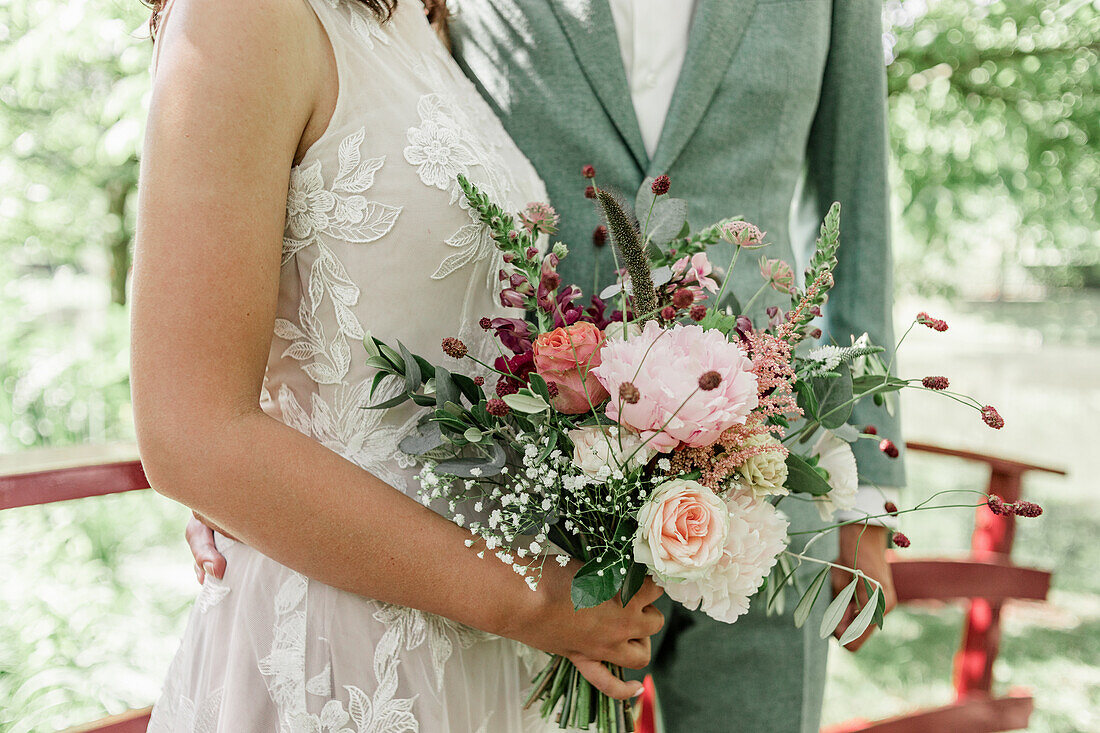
point(890, 507)
point(514, 334)
point(683, 298)
point(870, 430)
point(660, 185)
point(510, 298)
point(997, 505)
point(506, 386)
point(588, 171)
point(698, 312)
point(479, 380)
point(599, 236)
point(710, 381)
point(668, 313)
point(887, 446)
point(815, 334)
point(992, 418)
point(552, 389)
point(485, 323)
point(454, 348)
point(935, 382)
point(629, 394)
point(934, 323)
point(497, 407)
point(1026, 509)
point(900, 540)
point(590, 192)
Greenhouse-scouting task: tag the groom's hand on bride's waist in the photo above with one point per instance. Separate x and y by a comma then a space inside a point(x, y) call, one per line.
point(863, 546)
point(200, 538)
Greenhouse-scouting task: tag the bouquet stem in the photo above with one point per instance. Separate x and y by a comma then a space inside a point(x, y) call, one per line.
point(560, 687)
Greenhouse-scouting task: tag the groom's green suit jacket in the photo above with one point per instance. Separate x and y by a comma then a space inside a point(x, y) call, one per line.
point(780, 110)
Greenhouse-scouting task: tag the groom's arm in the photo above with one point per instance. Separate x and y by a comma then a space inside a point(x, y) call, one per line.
point(848, 161)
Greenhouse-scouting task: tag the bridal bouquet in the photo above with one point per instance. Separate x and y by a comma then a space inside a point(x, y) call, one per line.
point(653, 430)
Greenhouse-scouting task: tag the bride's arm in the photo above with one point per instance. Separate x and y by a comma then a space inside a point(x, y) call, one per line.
point(236, 86)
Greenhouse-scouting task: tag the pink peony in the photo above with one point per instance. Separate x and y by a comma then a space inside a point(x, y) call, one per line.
point(682, 531)
point(564, 357)
point(665, 366)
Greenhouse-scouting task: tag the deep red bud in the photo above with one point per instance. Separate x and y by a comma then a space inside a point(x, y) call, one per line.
point(870, 430)
point(588, 171)
point(660, 185)
point(900, 540)
point(668, 313)
point(698, 312)
point(683, 298)
point(590, 192)
point(599, 236)
point(497, 407)
point(887, 446)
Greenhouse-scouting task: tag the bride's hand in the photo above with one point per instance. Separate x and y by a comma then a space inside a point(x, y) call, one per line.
point(591, 636)
point(200, 539)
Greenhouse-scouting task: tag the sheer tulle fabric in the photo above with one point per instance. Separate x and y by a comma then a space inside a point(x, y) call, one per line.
point(377, 239)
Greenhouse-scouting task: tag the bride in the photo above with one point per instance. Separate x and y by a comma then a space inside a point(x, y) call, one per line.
point(298, 190)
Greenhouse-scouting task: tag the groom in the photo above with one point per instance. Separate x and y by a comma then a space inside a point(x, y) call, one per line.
point(772, 109)
point(735, 100)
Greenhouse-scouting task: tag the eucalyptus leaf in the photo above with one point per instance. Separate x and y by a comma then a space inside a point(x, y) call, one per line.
point(445, 388)
point(396, 363)
point(424, 438)
point(370, 346)
point(667, 220)
point(479, 467)
point(412, 369)
point(380, 363)
point(427, 371)
point(473, 435)
point(527, 404)
point(392, 402)
point(423, 400)
point(806, 605)
point(877, 382)
point(469, 388)
point(835, 612)
point(377, 381)
point(862, 620)
point(644, 198)
point(833, 395)
point(803, 479)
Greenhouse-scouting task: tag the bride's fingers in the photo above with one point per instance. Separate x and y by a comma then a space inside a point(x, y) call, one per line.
point(603, 680)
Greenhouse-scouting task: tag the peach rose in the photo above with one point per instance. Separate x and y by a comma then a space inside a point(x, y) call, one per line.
point(564, 357)
point(682, 531)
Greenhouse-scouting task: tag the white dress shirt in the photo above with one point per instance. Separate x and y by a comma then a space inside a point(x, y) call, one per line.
point(653, 40)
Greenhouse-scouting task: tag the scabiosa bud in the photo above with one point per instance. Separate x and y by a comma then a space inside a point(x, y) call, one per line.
point(743, 233)
point(890, 507)
point(992, 418)
point(710, 380)
point(590, 192)
point(698, 312)
point(496, 407)
point(660, 185)
point(934, 323)
point(870, 430)
point(778, 274)
point(506, 386)
point(887, 446)
point(485, 323)
point(599, 236)
point(997, 505)
point(532, 253)
point(668, 313)
point(588, 171)
point(935, 382)
point(509, 257)
point(454, 348)
point(683, 298)
point(629, 394)
point(900, 540)
point(479, 380)
point(1026, 509)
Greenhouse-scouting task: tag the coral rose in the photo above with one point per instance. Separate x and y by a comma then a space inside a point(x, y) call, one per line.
point(565, 357)
point(682, 531)
point(665, 366)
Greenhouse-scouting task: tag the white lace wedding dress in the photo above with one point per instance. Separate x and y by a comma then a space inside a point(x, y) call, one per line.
point(377, 238)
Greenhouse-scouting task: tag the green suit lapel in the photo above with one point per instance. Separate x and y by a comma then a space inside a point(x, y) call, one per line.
point(591, 32)
point(716, 32)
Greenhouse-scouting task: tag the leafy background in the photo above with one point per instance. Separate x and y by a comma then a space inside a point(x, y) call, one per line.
point(995, 129)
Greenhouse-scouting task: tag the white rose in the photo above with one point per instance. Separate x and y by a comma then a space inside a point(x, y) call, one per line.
point(836, 457)
point(682, 531)
point(765, 473)
point(598, 451)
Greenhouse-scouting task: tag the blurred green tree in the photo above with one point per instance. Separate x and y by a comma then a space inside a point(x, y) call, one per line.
point(995, 114)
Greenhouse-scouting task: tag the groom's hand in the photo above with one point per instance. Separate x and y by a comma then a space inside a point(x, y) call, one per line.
point(200, 538)
point(863, 546)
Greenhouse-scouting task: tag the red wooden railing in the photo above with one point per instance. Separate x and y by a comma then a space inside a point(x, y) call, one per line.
point(987, 579)
point(45, 477)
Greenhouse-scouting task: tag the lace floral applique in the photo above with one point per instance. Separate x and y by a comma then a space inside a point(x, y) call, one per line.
point(344, 214)
point(413, 628)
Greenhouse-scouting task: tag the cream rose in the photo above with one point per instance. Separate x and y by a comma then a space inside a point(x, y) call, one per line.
point(764, 474)
point(682, 531)
point(835, 456)
point(599, 451)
